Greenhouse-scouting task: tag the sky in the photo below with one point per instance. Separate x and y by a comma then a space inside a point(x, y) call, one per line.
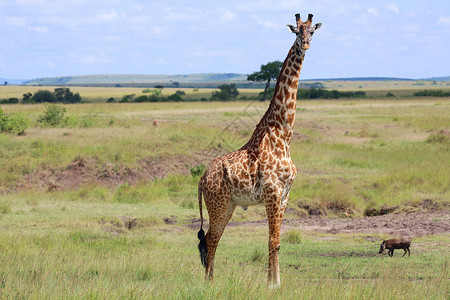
point(43, 38)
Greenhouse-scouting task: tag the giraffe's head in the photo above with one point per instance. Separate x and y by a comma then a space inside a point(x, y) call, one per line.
point(304, 31)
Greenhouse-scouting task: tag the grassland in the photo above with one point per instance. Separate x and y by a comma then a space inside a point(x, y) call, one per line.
point(91, 94)
point(68, 196)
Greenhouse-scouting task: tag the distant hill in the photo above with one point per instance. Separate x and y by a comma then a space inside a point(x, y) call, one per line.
point(363, 79)
point(131, 78)
point(189, 80)
point(442, 78)
point(12, 81)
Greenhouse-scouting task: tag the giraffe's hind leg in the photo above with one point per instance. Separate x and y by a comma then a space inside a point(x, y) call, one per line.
point(218, 219)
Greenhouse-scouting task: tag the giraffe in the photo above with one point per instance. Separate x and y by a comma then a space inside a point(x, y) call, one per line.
point(262, 171)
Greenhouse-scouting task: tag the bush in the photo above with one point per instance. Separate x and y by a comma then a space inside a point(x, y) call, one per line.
point(198, 170)
point(53, 115)
point(152, 91)
point(42, 96)
point(432, 93)
point(27, 98)
point(226, 92)
point(127, 98)
point(15, 123)
point(175, 97)
point(64, 95)
point(142, 98)
point(314, 93)
point(9, 101)
point(438, 138)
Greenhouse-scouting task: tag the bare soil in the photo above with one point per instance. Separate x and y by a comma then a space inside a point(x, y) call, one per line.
point(413, 224)
point(83, 172)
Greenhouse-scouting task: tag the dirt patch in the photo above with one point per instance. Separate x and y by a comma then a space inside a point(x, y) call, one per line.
point(384, 210)
point(413, 224)
point(83, 172)
point(396, 225)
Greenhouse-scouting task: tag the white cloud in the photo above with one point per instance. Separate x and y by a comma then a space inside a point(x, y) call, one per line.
point(111, 16)
point(227, 15)
point(444, 21)
point(268, 23)
point(373, 11)
point(89, 59)
point(138, 7)
point(38, 29)
point(28, 2)
point(392, 7)
point(16, 21)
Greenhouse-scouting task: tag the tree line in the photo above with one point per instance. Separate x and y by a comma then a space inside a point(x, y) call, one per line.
point(59, 95)
point(432, 93)
point(225, 92)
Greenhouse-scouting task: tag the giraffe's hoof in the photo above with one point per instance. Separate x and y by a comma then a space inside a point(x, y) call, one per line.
point(273, 285)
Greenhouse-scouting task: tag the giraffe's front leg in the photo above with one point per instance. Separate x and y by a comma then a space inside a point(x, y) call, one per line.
point(275, 212)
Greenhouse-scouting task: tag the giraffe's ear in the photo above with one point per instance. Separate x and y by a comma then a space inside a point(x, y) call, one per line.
point(292, 29)
point(317, 26)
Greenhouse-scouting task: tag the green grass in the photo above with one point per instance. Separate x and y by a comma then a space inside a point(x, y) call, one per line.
point(351, 155)
point(53, 249)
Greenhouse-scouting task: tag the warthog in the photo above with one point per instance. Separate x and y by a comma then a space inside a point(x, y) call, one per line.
point(395, 244)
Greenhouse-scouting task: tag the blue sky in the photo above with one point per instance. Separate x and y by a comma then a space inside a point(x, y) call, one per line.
point(42, 38)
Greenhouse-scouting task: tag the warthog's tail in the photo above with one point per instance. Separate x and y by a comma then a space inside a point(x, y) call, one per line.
point(202, 247)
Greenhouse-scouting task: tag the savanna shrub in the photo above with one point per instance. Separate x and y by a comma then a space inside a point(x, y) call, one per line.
point(42, 96)
point(293, 237)
point(9, 101)
point(438, 138)
point(53, 115)
point(198, 170)
point(14, 123)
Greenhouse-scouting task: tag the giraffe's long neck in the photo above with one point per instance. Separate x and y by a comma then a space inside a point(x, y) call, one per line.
point(279, 119)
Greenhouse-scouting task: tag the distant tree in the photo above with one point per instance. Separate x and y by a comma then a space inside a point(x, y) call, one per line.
point(64, 95)
point(269, 93)
point(159, 87)
point(155, 98)
point(226, 92)
point(127, 98)
point(6, 83)
point(111, 100)
point(42, 96)
point(76, 98)
point(152, 91)
point(267, 73)
point(176, 84)
point(27, 98)
point(9, 101)
point(175, 97)
point(142, 98)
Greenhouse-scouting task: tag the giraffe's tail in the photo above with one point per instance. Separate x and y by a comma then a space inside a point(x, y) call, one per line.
point(202, 247)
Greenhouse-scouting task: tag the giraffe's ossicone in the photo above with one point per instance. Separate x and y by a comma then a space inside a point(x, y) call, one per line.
point(262, 171)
